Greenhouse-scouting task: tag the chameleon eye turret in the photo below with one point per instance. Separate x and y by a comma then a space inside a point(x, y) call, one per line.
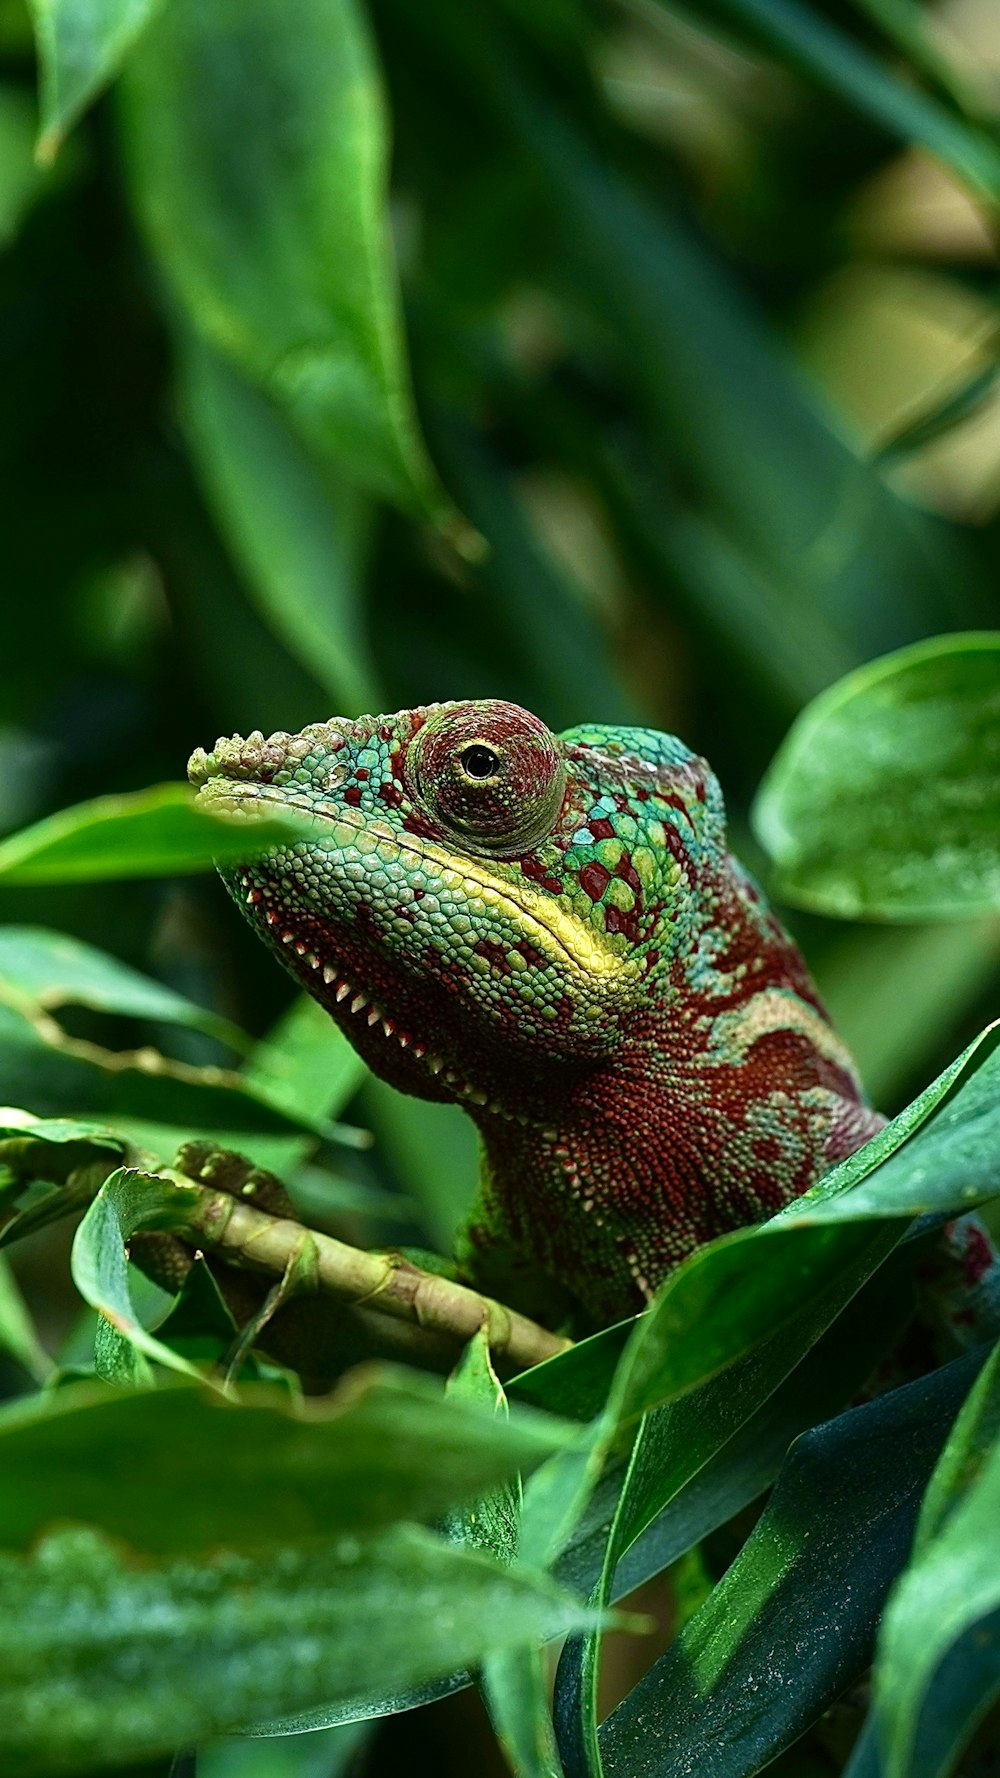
point(491, 773)
point(550, 931)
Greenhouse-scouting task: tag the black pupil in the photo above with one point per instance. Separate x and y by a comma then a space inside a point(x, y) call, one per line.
point(480, 762)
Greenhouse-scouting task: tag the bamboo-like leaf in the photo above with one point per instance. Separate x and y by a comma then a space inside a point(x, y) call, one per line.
point(81, 46)
point(938, 1666)
point(259, 162)
point(145, 833)
point(793, 1619)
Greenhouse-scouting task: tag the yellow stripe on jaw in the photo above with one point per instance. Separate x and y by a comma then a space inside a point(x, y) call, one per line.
point(547, 924)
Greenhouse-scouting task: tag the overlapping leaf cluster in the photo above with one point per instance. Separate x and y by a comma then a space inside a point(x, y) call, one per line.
point(622, 499)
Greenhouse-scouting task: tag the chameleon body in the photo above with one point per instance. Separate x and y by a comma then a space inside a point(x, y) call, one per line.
point(551, 932)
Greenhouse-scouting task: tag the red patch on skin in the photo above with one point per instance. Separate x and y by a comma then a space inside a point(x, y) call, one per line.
point(626, 870)
point(537, 872)
point(618, 920)
point(414, 822)
point(594, 879)
point(766, 1148)
point(496, 956)
point(362, 774)
point(602, 828)
point(390, 793)
point(529, 953)
point(976, 1257)
point(352, 796)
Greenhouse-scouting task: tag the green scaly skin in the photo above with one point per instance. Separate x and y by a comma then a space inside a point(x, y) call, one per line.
point(552, 933)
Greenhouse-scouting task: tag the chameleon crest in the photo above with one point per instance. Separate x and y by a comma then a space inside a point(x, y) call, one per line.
point(550, 931)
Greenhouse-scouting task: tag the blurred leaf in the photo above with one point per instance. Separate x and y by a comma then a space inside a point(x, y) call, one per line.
point(305, 1063)
point(142, 833)
point(433, 1149)
point(802, 36)
point(20, 179)
point(259, 165)
point(723, 399)
point(81, 46)
point(56, 1073)
point(928, 975)
point(524, 592)
point(191, 1470)
point(55, 970)
point(327, 1753)
point(938, 1666)
point(106, 1656)
point(18, 1334)
point(792, 1620)
point(296, 533)
point(884, 799)
point(940, 419)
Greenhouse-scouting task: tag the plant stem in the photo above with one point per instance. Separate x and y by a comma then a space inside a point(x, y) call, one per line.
point(387, 1283)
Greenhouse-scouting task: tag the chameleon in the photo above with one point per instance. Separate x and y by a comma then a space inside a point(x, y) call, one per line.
point(552, 932)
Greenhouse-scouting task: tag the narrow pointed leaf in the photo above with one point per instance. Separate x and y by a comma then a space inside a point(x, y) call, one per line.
point(81, 46)
point(259, 164)
point(793, 1619)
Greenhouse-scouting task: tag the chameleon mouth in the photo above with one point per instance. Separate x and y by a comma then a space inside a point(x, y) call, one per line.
point(569, 942)
point(356, 1007)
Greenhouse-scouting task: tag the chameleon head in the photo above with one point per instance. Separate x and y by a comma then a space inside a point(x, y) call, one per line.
point(479, 897)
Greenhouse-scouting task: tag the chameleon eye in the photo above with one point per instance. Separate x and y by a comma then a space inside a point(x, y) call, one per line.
point(480, 761)
point(490, 773)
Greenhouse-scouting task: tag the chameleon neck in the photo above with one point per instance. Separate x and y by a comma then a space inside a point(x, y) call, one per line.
point(728, 1095)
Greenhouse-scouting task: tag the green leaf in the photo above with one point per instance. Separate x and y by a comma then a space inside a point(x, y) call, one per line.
point(305, 1063)
point(803, 37)
point(126, 1204)
point(513, 1683)
point(56, 1073)
point(968, 1449)
point(55, 970)
point(707, 1455)
point(884, 800)
point(81, 46)
point(106, 1656)
point(792, 1620)
point(20, 179)
point(325, 1754)
point(18, 1334)
point(936, 421)
point(296, 533)
point(259, 165)
point(433, 1149)
point(177, 1469)
point(144, 833)
point(797, 526)
point(751, 1286)
point(938, 1666)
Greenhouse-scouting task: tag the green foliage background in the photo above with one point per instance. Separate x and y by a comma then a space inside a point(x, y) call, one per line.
point(630, 361)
